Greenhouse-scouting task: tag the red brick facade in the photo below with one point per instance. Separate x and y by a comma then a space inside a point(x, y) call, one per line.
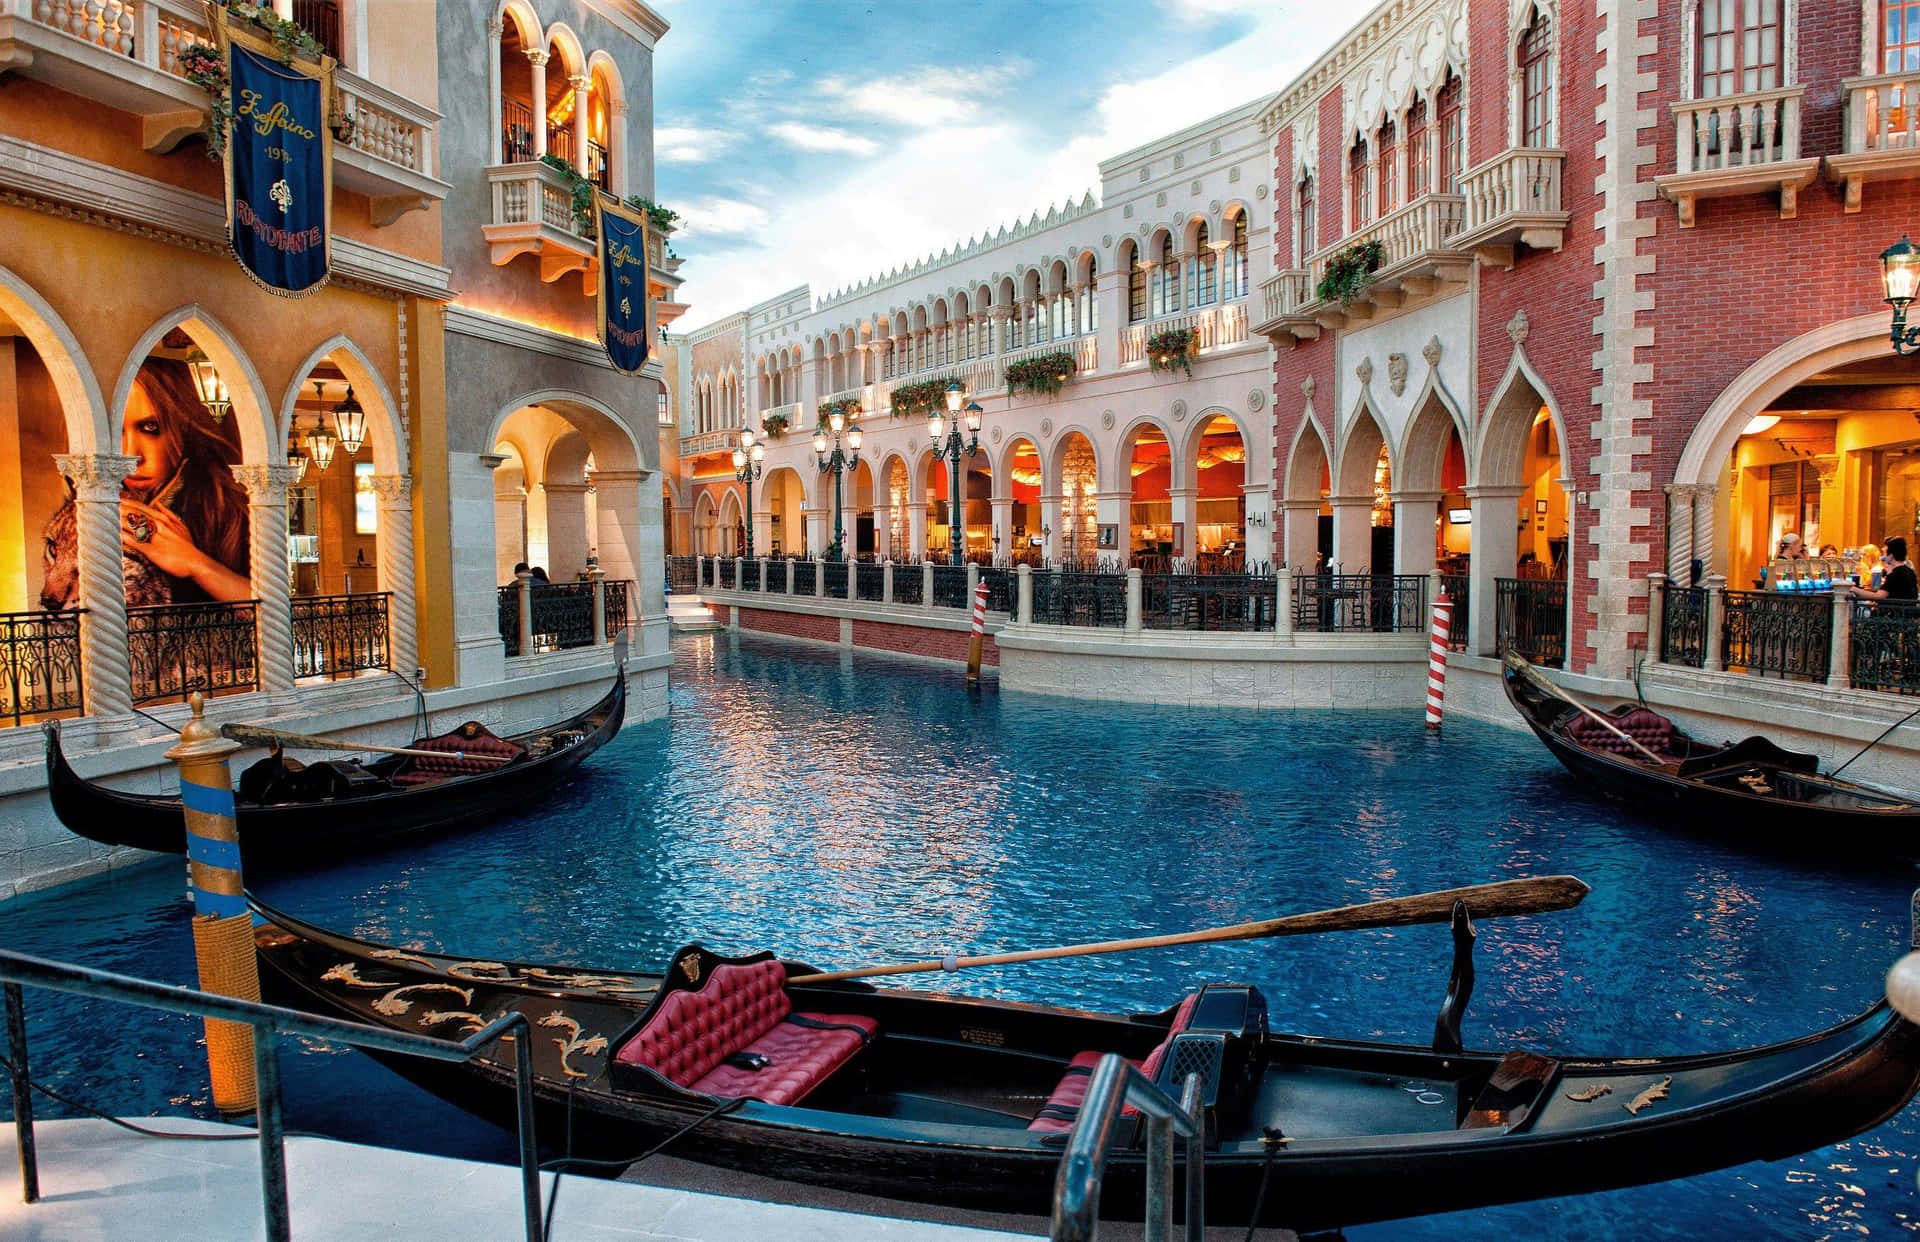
point(915, 640)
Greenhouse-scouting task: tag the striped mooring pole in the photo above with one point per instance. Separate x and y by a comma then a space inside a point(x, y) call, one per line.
point(977, 642)
point(1437, 659)
point(222, 925)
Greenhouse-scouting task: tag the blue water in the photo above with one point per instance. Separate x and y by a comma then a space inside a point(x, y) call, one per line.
point(846, 810)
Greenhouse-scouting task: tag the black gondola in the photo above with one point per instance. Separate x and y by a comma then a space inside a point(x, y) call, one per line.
point(1752, 787)
point(290, 813)
point(939, 1098)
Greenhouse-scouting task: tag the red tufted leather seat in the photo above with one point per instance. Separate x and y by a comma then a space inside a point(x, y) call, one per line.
point(1062, 1108)
point(745, 1009)
point(471, 739)
point(1650, 729)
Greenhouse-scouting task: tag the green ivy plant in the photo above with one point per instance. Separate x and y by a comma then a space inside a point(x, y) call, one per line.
point(206, 68)
point(290, 38)
point(582, 190)
point(1047, 373)
point(921, 399)
point(846, 407)
point(774, 425)
point(661, 219)
point(1172, 348)
point(1349, 270)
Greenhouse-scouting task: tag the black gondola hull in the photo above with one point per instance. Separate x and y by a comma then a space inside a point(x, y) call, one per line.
point(298, 832)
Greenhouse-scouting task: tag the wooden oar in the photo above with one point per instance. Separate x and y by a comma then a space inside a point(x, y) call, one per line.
point(1484, 901)
point(1534, 675)
point(254, 735)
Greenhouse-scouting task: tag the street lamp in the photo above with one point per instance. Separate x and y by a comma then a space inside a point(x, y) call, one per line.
point(838, 461)
point(1900, 277)
point(748, 466)
point(948, 446)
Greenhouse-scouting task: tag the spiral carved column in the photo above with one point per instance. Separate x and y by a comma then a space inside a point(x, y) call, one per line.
point(395, 492)
point(96, 483)
point(1680, 524)
point(268, 568)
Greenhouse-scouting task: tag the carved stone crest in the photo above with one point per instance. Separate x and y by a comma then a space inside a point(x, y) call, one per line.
point(1364, 371)
point(1255, 399)
point(996, 435)
point(1397, 373)
point(1046, 426)
point(1306, 387)
point(1106, 419)
point(1179, 411)
point(1517, 327)
point(1431, 352)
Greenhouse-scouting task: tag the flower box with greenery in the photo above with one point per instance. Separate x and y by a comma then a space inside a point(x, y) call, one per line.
point(921, 399)
point(774, 425)
point(661, 219)
point(846, 407)
point(206, 68)
point(1172, 348)
point(1349, 270)
point(290, 38)
point(1047, 373)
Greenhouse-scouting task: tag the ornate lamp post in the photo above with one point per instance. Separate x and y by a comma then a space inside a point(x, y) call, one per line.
point(948, 446)
point(1900, 277)
point(748, 465)
point(838, 461)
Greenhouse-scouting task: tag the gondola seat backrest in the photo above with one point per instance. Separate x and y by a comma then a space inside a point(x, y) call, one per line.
point(1062, 1108)
point(452, 759)
point(1650, 729)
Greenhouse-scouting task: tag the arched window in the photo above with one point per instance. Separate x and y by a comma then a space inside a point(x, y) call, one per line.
point(1090, 299)
point(1536, 82)
point(1900, 32)
point(1419, 159)
point(1360, 185)
point(1388, 145)
point(1206, 273)
point(1452, 107)
point(1740, 45)
point(1167, 287)
point(1136, 289)
point(1309, 222)
point(1237, 257)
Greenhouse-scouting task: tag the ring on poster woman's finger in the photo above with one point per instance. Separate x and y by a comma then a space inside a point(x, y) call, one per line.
point(142, 532)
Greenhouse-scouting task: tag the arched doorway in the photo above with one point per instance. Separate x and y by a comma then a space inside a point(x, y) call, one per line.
point(901, 544)
point(785, 504)
point(861, 535)
point(1076, 466)
point(1363, 499)
point(1431, 518)
point(706, 520)
point(1149, 533)
point(733, 526)
point(1218, 482)
point(1308, 533)
point(1023, 485)
point(1521, 548)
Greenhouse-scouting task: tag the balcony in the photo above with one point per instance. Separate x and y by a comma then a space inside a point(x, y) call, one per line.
point(1422, 257)
point(1213, 327)
point(1736, 145)
point(1513, 200)
point(798, 423)
point(126, 54)
point(533, 214)
point(1881, 138)
point(708, 442)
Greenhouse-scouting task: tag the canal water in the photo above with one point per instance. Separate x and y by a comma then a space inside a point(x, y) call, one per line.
point(846, 810)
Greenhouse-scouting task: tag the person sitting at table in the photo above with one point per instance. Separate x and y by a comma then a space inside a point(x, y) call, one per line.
point(1899, 583)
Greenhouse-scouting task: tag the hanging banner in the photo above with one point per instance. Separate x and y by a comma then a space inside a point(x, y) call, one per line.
point(279, 163)
point(623, 283)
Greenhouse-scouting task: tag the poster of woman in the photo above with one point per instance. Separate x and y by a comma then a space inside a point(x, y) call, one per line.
point(183, 516)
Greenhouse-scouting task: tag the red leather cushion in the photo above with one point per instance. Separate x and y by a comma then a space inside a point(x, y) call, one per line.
point(1649, 729)
point(803, 1058)
point(692, 1032)
point(421, 769)
point(1071, 1092)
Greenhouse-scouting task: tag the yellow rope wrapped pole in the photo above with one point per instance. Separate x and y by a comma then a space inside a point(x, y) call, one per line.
point(222, 925)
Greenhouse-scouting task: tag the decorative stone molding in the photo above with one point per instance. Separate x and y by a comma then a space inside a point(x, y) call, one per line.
point(1431, 352)
point(1518, 327)
point(1397, 373)
point(96, 480)
point(1106, 419)
point(1046, 426)
point(1364, 371)
point(1306, 387)
point(1179, 411)
point(1411, 60)
point(1255, 399)
point(96, 477)
point(266, 484)
point(996, 435)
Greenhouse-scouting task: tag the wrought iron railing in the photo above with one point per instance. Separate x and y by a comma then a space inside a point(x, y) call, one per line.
point(833, 576)
point(1239, 602)
point(1096, 600)
point(39, 664)
point(562, 615)
point(339, 635)
point(950, 586)
point(1362, 603)
point(749, 575)
point(321, 19)
point(1775, 633)
point(909, 584)
point(1683, 625)
point(870, 582)
point(803, 576)
point(1885, 651)
point(509, 602)
point(175, 649)
point(1459, 589)
point(619, 603)
point(683, 573)
point(516, 132)
point(724, 568)
point(1530, 618)
point(1001, 588)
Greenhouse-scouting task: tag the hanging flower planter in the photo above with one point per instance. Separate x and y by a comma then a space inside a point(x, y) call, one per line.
point(774, 425)
point(847, 408)
point(1349, 270)
point(921, 399)
point(1173, 348)
point(1048, 373)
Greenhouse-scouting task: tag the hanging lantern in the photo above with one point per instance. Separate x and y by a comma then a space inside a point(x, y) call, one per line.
point(321, 443)
point(297, 460)
point(352, 422)
point(207, 382)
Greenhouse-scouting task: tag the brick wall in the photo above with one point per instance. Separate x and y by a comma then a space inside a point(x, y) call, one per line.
point(792, 624)
point(914, 640)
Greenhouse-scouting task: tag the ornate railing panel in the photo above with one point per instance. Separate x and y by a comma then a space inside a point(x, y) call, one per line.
point(39, 664)
point(836, 578)
point(175, 649)
point(1683, 625)
point(1530, 617)
point(619, 597)
point(909, 583)
point(1886, 647)
point(870, 582)
point(1459, 589)
point(562, 615)
point(510, 618)
point(682, 573)
point(1097, 600)
point(1242, 603)
point(1365, 603)
point(749, 575)
point(803, 573)
point(337, 635)
point(1773, 632)
point(950, 586)
point(1001, 588)
point(725, 571)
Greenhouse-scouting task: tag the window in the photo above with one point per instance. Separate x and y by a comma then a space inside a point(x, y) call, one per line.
point(1389, 148)
point(1136, 290)
point(1090, 300)
point(1167, 288)
point(1740, 46)
point(1452, 107)
point(1309, 223)
point(1900, 46)
point(1360, 187)
point(1419, 160)
point(1237, 256)
point(366, 506)
point(1206, 263)
point(1536, 82)
point(666, 408)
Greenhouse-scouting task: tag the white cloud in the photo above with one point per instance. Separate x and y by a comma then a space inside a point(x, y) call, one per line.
point(686, 144)
point(721, 217)
point(822, 138)
point(926, 99)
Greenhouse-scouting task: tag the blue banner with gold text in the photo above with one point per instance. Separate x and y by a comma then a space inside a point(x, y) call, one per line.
point(279, 165)
point(623, 284)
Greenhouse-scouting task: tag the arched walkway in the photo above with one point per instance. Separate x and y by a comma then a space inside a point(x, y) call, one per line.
point(1309, 483)
point(1362, 508)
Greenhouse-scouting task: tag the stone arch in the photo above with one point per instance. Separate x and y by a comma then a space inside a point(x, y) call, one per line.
point(706, 521)
point(1117, 478)
point(884, 477)
point(88, 428)
point(1012, 451)
point(613, 443)
point(560, 38)
point(384, 432)
point(1309, 463)
point(524, 20)
point(1360, 443)
point(1423, 447)
point(1508, 420)
point(259, 427)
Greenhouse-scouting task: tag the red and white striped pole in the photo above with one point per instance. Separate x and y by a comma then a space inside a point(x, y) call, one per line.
point(977, 642)
point(1437, 659)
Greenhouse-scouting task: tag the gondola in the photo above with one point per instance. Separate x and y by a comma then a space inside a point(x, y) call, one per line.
point(1752, 787)
point(288, 812)
point(946, 1099)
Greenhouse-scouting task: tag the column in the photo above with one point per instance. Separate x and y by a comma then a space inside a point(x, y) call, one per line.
point(268, 568)
point(1300, 536)
point(496, 26)
point(1706, 499)
point(1259, 525)
point(882, 523)
point(1132, 624)
point(537, 57)
point(1186, 512)
point(394, 496)
point(1184, 264)
point(622, 523)
point(96, 480)
point(1352, 534)
point(1023, 599)
point(1110, 291)
point(1413, 531)
point(819, 529)
point(1002, 526)
point(850, 517)
point(1050, 526)
point(917, 530)
point(1656, 615)
point(1495, 552)
point(568, 541)
point(997, 324)
point(617, 146)
point(1840, 656)
point(582, 101)
point(1716, 661)
point(1112, 509)
point(1680, 502)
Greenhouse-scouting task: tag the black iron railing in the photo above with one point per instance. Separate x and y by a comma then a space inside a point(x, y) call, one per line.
point(1360, 603)
point(1236, 602)
point(339, 635)
point(509, 602)
point(1002, 588)
point(803, 576)
point(950, 586)
point(562, 615)
point(1530, 618)
point(1774, 633)
point(683, 573)
point(749, 575)
point(516, 132)
point(175, 649)
point(619, 597)
point(1460, 595)
point(836, 578)
point(1096, 600)
point(870, 582)
point(1683, 625)
point(725, 570)
point(909, 582)
point(1886, 647)
point(39, 664)
point(321, 19)
point(599, 170)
